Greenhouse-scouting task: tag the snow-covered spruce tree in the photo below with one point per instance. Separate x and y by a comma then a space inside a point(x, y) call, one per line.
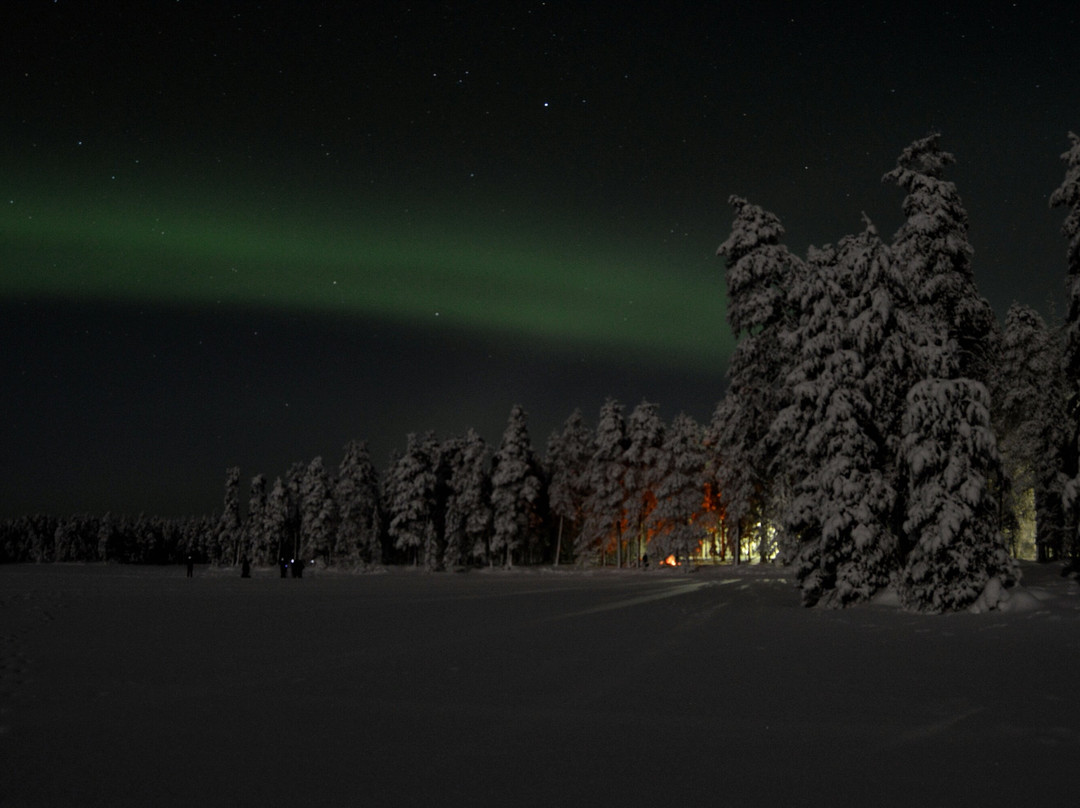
point(148, 539)
point(254, 536)
point(317, 514)
point(448, 525)
point(468, 506)
point(294, 486)
point(885, 333)
point(842, 500)
point(606, 499)
point(642, 461)
point(737, 493)
point(1029, 418)
point(66, 540)
point(759, 270)
point(63, 540)
point(816, 301)
point(108, 538)
point(226, 546)
point(680, 489)
point(567, 461)
point(357, 538)
point(934, 254)
point(847, 501)
point(951, 453)
point(276, 521)
point(516, 488)
point(441, 458)
point(92, 529)
point(1068, 195)
point(411, 503)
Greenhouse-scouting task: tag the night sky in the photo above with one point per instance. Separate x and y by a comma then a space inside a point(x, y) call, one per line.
point(246, 233)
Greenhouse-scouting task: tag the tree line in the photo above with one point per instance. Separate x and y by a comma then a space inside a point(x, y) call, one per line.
point(880, 428)
point(140, 539)
point(610, 495)
point(603, 495)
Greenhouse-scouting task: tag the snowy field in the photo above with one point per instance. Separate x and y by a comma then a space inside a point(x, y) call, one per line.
point(134, 686)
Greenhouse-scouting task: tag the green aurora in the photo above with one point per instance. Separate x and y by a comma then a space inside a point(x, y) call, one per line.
point(467, 272)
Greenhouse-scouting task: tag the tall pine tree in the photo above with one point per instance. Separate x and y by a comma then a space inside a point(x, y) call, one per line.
point(255, 546)
point(411, 501)
point(760, 269)
point(680, 490)
point(317, 514)
point(516, 488)
point(276, 525)
point(356, 492)
point(934, 254)
point(606, 499)
point(1068, 195)
point(643, 461)
point(1029, 419)
point(841, 499)
point(951, 453)
point(468, 507)
point(226, 547)
point(567, 461)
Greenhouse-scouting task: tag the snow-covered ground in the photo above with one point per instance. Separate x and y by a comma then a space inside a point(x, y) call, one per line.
point(136, 686)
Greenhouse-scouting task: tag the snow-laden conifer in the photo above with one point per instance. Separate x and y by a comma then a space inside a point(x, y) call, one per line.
point(275, 525)
point(468, 506)
point(673, 523)
point(1029, 416)
point(817, 330)
point(642, 462)
point(356, 494)
point(108, 538)
point(410, 494)
point(934, 254)
point(226, 546)
point(760, 270)
point(317, 513)
point(730, 474)
point(841, 496)
point(254, 543)
point(1068, 195)
point(294, 489)
point(883, 332)
point(66, 539)
point(951, 454)
point(606, 501)
point(516, 488)
point(567, 459)
point(849, 552)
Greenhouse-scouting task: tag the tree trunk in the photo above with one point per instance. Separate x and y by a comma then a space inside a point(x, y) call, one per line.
point(558, 543)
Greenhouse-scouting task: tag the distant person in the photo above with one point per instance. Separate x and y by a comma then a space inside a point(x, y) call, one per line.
point(190, 566)
point(645, 560)
point(298, 568)
point(283, 565)
point(245, 567)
